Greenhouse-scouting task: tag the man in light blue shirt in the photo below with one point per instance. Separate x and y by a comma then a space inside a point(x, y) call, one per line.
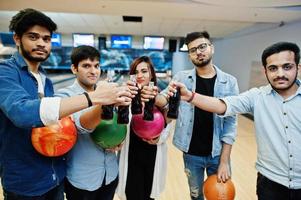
point(92, 172)
point(277, 110)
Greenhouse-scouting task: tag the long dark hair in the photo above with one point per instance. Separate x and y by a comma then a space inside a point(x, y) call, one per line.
point(147, 60)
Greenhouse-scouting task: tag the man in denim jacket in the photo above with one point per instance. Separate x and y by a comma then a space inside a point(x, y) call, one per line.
point(26, 102)
point(205, 139)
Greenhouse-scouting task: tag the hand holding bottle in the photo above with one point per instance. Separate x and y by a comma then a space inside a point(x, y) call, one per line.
point(148, 92)
point(185, 94)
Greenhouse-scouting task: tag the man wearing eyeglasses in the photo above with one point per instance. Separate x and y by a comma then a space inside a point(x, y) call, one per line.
point(205, 139)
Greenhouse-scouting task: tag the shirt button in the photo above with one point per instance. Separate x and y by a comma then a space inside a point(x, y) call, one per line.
point(290, 179)
point(291, 168)
point(291, 155)
point(284, 113)
point(286, 126)
point(289, 141)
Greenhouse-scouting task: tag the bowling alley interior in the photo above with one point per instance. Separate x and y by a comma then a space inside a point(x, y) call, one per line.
point(122, 30)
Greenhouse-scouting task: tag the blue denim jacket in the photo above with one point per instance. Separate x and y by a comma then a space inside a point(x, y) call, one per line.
point(224, 128)
point(23, 170)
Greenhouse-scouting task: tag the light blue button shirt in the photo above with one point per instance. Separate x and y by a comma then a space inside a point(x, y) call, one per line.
point(87, 164)
point(278, 132)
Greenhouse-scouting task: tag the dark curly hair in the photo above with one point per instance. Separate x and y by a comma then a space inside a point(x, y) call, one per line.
point(27, 18)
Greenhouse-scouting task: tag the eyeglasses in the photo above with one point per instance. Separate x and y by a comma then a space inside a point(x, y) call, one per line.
point(202, 47)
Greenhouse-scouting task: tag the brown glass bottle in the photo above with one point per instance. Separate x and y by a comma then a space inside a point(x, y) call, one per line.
point(136, 107)
point(107, 111)
point(148, 114)
point(174, 102)
point(123, 115)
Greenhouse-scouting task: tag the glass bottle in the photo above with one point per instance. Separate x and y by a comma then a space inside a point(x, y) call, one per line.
point(123, 111)
point(107, 111)
point(148, 114)
point(174, 102)
point(136, 107)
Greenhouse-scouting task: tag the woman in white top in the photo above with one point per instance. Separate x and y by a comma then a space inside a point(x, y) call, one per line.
point(143, 163)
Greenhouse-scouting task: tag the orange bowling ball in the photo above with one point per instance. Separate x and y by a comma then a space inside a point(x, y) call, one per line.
point(214, 190)
point(56, 139)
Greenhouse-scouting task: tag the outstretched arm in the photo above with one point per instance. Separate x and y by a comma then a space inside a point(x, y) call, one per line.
point(210, 104)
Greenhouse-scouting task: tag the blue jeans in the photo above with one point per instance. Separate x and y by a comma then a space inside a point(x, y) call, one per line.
point(195, 167)
point(56, 193)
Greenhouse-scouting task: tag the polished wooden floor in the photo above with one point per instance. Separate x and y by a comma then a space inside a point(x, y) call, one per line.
point(243, 170)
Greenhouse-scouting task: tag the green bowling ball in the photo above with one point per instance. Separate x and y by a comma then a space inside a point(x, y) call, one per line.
point(109, 133)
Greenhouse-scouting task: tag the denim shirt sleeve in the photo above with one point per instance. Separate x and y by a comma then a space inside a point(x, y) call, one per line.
point(15, 102)
point(230, 122)
point(76, 116)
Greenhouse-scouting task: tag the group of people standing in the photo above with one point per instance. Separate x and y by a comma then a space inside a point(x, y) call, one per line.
point(205, 129)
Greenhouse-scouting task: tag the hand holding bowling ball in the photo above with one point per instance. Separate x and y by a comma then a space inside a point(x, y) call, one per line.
point(148, 129)
point(56, 139)
point(214, 190)
point(109, 134)
point(153, 141)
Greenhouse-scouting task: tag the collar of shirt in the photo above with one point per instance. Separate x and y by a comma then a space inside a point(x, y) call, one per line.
point(21, 62)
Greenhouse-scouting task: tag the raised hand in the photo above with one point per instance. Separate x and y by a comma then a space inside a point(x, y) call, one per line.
point(111, 93)
point(185, 93)
point(148, 92)
point(133, 88)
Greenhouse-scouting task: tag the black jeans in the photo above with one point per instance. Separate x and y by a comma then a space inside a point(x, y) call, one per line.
point(56, 193)
point(269, 190)
point(105, 192)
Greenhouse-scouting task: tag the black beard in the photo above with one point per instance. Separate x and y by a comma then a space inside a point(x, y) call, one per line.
point(203, 64)
point(283, 89)
point(28, 57)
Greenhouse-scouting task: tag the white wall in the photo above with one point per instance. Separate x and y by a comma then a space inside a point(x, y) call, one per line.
point(235, 55)
point(180, 61)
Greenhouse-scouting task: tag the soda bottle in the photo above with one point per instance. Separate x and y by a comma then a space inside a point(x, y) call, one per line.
point(174, 102)
point(148, 114)
point(136, 107)
point(107, 111)
point(123, 111)
point(123, 115)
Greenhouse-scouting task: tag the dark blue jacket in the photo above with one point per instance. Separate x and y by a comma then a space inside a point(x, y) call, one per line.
point(23, 170)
